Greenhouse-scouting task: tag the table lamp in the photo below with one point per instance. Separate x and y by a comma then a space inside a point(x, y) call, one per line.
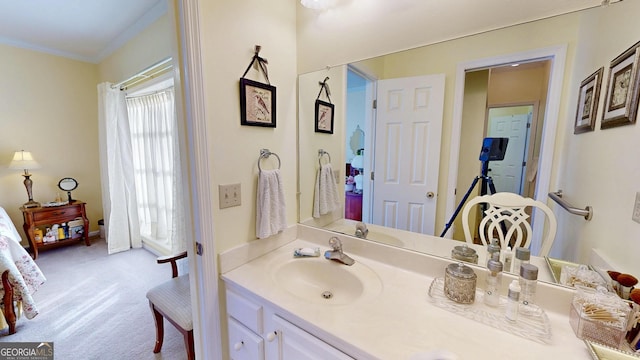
point(358, 163)
point(22, 160)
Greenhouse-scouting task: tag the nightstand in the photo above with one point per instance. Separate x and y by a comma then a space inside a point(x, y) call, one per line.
point(43, 217)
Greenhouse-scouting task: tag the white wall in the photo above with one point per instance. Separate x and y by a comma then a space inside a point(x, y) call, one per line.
point(356, 30)
point(49, 107)
point(229, 31)
point(310, 141)
point(600, 168)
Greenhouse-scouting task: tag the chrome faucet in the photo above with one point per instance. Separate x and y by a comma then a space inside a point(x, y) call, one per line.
point(361, 230)
point(336, 253)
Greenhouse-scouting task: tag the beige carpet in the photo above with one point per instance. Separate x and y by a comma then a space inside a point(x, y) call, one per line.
point(93, 305)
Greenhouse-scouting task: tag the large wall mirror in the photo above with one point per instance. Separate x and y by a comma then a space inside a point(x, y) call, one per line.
point(473, 83)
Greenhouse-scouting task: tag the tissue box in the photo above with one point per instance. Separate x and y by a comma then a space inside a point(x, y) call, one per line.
point(599, 317)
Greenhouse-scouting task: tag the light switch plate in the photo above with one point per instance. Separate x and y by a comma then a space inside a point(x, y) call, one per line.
point(229, 195)
point(636, 209)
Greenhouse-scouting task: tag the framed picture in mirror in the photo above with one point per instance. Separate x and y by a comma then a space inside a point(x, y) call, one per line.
point(257, 103)
point(324, 117)
point(621, 102)
point(588, 97)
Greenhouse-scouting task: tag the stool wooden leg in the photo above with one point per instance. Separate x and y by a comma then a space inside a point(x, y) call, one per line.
point(159, 328)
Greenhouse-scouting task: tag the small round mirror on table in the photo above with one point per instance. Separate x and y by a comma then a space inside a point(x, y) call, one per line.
point(68, 184)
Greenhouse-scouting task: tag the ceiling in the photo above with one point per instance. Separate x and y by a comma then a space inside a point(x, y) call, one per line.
point(90, 30)
point(85, 30)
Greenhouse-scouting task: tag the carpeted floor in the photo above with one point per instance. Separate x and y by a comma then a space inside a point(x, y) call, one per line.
point(93, 305)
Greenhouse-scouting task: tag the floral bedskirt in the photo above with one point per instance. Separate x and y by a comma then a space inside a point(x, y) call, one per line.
point(24, 274)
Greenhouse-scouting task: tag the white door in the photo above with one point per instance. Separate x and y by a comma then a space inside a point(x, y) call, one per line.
point(508, 174)
point(407, 152)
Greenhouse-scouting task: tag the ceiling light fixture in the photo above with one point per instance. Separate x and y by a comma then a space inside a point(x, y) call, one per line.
point(317, 4)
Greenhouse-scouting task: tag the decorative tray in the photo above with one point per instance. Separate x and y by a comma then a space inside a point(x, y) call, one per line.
point(54, 203)
point(604, 352)
point(531, 325)
point(555, 265)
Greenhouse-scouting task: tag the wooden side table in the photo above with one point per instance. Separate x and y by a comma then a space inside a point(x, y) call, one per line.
point(41, 217)
point(353, 206)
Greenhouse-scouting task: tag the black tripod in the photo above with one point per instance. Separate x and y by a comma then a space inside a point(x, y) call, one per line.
point(486, 181)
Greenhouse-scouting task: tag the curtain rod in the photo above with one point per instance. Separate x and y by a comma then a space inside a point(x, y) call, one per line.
point(160, 66)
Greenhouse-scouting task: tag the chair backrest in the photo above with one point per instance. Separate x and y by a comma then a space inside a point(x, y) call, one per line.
point(506, 218)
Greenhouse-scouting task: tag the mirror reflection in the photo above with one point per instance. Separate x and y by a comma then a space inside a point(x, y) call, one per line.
point(528, 87)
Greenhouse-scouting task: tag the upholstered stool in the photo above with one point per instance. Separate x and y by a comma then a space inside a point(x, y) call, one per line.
point(172, 300)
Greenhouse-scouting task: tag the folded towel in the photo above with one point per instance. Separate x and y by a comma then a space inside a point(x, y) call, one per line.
point(271, 214)
point(326, 198)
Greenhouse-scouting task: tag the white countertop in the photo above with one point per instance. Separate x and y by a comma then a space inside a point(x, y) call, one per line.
point(401, 321)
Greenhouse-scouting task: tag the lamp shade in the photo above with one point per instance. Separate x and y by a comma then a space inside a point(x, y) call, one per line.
point(357, 162)
point(23, 160)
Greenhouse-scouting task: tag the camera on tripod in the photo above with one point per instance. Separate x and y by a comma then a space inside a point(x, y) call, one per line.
point(493, 149)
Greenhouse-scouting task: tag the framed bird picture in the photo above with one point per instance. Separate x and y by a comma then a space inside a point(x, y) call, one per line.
point(324, 117)
point(257, 103)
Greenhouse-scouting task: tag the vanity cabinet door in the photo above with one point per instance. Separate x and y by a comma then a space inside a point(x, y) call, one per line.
point(297, 344)
point(244, 344)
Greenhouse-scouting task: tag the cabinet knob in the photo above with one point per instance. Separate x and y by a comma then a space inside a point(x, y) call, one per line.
point(238, 345)
point(272, 336)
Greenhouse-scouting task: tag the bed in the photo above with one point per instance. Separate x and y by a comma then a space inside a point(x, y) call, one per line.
point(21, 276)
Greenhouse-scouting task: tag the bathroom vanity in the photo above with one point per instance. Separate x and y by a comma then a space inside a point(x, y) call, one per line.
point(281, 307)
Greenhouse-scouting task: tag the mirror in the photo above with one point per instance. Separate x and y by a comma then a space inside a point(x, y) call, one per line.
point(68, 184)
point(587, 34)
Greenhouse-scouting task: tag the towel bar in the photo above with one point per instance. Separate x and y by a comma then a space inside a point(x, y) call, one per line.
point(587, 212)
point(264, 154)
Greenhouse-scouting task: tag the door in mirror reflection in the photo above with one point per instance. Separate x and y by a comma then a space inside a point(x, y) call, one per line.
point(512, 122)
point(407, 152)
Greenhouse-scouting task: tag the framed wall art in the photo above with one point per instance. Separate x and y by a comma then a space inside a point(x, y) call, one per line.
point(588, 97)
point(324, 117)
point(257, 103)
point(621, 102)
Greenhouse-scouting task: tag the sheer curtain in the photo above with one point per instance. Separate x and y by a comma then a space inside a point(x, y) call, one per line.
point(156, 169)
point(116, 172)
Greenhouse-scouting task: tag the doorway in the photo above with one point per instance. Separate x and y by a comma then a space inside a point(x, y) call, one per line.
point(540, 168)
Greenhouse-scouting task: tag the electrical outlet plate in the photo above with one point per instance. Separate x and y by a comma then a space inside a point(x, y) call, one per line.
point(229, 195)
point(636, 209)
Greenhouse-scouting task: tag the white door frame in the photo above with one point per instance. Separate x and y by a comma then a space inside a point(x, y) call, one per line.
point(557, 55)
point(204, 280)
point(369, 136)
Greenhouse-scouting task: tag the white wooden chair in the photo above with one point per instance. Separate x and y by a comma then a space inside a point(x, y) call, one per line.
point(506, 218)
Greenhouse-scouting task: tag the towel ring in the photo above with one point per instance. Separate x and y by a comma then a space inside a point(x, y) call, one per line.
point(321, 152)
point(264, 154)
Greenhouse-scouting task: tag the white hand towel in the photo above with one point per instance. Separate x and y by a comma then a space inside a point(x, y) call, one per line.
point(271, 214)
point(326, 198)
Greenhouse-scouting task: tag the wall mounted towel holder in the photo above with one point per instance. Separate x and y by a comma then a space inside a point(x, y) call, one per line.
point(321, 153)
point(265, 154)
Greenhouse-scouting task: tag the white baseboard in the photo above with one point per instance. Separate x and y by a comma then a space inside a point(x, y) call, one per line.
point(95, 233)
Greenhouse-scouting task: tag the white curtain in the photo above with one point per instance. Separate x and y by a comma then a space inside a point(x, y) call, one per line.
point(156, 156)
point(116, 172)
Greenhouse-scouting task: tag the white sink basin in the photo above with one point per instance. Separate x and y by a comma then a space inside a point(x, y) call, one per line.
point(322, 281)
